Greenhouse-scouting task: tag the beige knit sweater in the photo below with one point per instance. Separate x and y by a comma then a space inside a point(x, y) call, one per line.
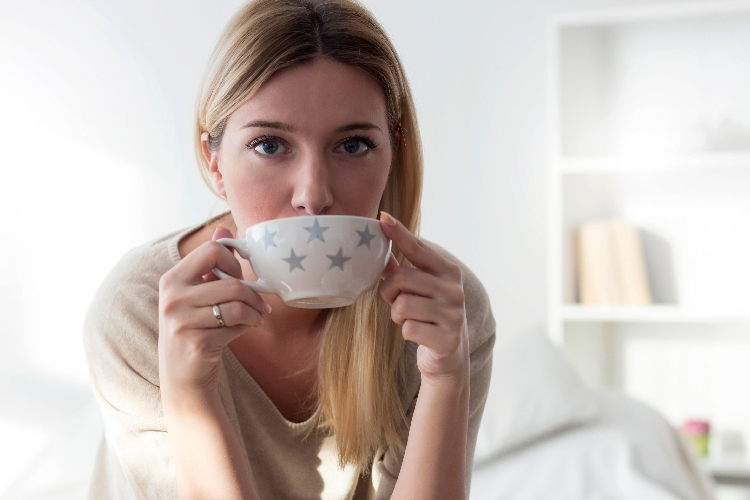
point(134, 460)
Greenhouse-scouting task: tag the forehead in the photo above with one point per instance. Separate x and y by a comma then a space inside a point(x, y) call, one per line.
point(323, 91)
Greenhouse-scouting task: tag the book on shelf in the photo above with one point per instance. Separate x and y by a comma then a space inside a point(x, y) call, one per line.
point(611, 264)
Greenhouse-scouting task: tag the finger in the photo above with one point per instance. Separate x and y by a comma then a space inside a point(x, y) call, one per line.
point(220, 337)
point(206, 257)
point(425, 334)
point(389, 266)
point(433, 337)
point(415, 308)
point(228, 290)
point(233, 313)
point(221, 231)
point(419, 254)
point(412, 281)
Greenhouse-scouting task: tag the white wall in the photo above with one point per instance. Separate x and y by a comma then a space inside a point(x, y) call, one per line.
point(96, 99)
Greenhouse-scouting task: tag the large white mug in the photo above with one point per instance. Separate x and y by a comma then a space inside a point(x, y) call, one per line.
point(316, 261)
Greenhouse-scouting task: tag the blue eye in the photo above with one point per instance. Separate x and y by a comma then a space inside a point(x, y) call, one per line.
point(270, 148)
point(267, 146)
point(356, 145)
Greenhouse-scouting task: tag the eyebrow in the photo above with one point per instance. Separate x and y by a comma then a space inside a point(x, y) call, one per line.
point(267, 124)
point(357, 126)
point(288, 128)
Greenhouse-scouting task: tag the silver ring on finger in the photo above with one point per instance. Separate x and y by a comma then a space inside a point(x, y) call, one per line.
point(217, 315)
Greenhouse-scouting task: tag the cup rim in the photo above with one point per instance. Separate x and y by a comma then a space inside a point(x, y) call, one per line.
point(300, 217)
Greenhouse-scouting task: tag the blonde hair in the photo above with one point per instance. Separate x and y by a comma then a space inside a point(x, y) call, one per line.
point(360, 365)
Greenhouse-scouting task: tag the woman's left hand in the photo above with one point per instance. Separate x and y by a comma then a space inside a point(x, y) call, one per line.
point(428, 301)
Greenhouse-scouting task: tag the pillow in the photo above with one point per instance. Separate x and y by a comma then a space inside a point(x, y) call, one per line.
point(534, 392)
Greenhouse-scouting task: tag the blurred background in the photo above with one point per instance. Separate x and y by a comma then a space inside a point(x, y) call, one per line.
point(589, 160)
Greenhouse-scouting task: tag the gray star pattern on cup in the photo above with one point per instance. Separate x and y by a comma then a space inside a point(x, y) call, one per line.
point(365, 236)
point(316, 231)
point(338, 260)
point(295, 261)
point(268, 239)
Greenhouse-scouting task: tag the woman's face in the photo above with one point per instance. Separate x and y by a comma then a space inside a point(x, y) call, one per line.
point(313, 140)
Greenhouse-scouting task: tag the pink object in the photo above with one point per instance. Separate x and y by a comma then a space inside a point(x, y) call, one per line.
point(696, 427)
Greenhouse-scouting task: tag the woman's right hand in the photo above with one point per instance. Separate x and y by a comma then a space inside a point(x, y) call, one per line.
point(190, 338)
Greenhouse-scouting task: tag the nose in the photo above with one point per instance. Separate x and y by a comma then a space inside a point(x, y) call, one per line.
point(312, 187)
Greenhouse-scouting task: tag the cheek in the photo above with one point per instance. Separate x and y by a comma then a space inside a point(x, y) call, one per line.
point(361, 194)
point(254, 198)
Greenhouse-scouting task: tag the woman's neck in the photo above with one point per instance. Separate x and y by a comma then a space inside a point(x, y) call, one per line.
point(286, 324)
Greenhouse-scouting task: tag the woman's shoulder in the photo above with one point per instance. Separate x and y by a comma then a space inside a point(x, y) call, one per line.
point(122, 318)
point(479, 316)
point(144, 265)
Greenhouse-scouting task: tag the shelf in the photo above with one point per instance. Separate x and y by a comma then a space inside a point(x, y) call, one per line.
point(735, 469)
point(623, 164)
point(657, 313)
point(650, 122)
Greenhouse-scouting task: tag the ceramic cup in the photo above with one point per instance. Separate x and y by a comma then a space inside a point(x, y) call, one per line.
point(313, 262)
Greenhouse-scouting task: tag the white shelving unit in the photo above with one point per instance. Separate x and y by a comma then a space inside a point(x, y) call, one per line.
point(656, 313)
point(650, 121)
point(614, 164)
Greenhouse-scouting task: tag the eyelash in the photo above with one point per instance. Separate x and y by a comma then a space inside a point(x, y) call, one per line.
point(266, 138)
point(368, 142)
point(260, 140)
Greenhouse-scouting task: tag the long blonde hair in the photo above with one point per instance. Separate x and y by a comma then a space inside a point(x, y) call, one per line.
point(360, 366)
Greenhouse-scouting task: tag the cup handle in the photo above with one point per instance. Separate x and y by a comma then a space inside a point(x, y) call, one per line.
point(260, 285)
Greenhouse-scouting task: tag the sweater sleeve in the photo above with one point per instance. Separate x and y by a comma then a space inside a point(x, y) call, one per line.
point(120, 339)
point(481, 325)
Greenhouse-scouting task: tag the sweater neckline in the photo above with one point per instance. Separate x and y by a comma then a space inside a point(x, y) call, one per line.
point(229, 357)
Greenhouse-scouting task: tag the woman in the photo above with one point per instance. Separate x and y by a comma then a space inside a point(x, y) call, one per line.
point(304, 110)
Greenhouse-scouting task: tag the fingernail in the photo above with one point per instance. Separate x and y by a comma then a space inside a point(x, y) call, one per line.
point(267, 307)
point(215, 237)
point(387, 218)
point(222, 226)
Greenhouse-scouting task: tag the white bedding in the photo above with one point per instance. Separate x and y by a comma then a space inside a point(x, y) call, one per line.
point(628, 453)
